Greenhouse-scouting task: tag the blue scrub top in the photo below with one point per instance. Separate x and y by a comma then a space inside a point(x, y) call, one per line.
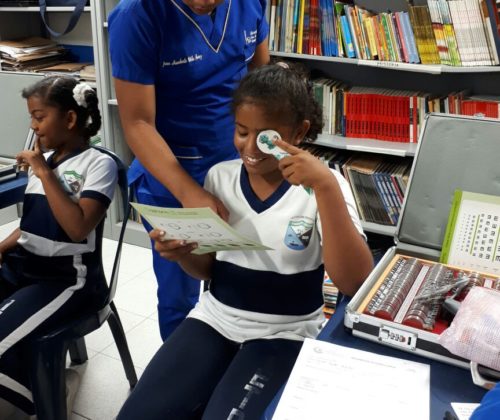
point(489, 408)
point(195, 63)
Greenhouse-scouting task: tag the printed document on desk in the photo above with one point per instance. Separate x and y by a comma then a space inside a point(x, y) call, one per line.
point(330, 381)
point(201, 225)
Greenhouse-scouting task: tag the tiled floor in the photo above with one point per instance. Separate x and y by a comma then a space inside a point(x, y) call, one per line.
point(104, 387)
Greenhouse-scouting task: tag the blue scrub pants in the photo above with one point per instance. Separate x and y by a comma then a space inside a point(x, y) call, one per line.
point(177, 291)
point(199, 374)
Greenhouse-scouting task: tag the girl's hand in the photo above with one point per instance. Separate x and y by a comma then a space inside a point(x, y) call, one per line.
point(202, 198)
point(302, 168)
point(34, 159)
point(171, 249)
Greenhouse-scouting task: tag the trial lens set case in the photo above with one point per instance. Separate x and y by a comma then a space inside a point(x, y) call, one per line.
point(454, 152)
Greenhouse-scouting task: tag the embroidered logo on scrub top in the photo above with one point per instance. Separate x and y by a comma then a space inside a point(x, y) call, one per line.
point(183, 60)
point(299, 232)
point(71, 181)
point(250, 37)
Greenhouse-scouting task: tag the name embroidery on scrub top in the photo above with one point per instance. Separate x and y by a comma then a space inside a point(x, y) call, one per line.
point(215, 50)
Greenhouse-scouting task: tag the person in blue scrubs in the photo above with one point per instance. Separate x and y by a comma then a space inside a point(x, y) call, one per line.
point(489, 408)
point(175, 66)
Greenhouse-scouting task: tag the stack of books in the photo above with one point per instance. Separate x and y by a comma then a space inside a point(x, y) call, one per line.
point(379, 186)
point(378, 182)
point(390, 114)
point(88, 73)
point(30, 54)
point(71, 69)
point(330, 296)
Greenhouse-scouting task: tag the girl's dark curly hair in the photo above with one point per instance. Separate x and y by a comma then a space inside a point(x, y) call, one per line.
point(284, 90)
point(57, 91)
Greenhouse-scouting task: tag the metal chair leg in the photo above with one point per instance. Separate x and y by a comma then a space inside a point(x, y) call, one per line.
point(121, 343)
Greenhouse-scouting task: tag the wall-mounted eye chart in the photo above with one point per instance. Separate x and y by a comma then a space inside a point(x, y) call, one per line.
point(200, 225)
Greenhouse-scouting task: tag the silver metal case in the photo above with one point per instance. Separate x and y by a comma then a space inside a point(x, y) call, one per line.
point(454, 152)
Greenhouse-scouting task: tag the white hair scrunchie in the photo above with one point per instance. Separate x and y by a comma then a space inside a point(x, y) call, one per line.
point(79, 93)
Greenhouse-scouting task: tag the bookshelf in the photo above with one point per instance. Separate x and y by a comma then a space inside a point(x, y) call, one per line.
point(90, 32)
point(394, 65)
point(435, 79)
point(480, 80)
point(31, 9)
point(366, 145)
point(394, 75)
point(115, 139)
point(23, 22)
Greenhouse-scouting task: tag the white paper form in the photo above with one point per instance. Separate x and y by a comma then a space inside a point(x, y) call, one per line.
point(464, 410)
point(201, 225)
point(330, 381)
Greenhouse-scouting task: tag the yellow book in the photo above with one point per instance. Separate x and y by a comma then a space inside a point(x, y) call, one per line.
point(372, 37)
point(372, 44)
point(300, 31)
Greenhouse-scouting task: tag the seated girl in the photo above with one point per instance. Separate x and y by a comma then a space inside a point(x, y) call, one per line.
point(238, 345)
point(50, 268)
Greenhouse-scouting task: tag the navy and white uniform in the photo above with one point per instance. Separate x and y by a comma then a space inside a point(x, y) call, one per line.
point(195, 62)
point(48, 277)
point(238, 345)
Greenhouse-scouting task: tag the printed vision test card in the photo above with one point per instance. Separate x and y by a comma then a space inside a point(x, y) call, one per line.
point(201, 225)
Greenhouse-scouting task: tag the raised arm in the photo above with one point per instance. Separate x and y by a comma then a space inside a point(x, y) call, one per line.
point(346, 255)
point(77, 219)
point(137, 107)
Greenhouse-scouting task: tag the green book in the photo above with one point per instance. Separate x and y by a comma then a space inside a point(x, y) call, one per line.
point(472, 234)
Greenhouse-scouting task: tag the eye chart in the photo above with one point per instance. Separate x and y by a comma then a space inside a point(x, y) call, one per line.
point(200, 225)
point(473, 231)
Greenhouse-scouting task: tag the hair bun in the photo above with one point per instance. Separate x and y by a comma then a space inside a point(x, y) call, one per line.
point(79, 92)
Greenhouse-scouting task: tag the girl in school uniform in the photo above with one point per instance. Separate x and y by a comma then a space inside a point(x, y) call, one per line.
point(238, 345)
point(50, 267)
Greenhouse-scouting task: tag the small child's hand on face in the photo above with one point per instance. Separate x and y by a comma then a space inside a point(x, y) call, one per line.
point(171, 249)
point(302, 168)
point(34, 159)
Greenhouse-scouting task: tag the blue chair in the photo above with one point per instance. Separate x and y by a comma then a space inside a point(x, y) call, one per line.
point(48, 350)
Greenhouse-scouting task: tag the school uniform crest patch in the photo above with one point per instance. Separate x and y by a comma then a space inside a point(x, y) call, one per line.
point(298, 233)
point(72, 182)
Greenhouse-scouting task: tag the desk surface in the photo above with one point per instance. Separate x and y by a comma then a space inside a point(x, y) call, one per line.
point(12, 191)
point(448, 383)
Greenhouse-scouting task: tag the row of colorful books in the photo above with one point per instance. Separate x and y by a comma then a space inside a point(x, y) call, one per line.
point(378, 182)
point(450, 32)
point(390, 114)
